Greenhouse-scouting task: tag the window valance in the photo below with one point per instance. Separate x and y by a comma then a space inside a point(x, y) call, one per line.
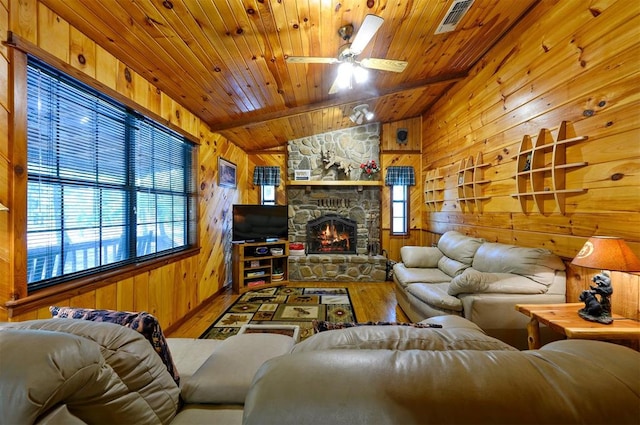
point(400, 176)
point(266, 176)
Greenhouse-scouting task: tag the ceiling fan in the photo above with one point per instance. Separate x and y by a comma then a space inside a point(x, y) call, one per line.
point(350, 68)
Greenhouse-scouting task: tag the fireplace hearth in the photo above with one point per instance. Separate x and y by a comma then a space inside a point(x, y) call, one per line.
point(331, 234)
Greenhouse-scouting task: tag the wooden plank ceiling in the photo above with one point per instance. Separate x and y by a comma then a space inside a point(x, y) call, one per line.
point(225, 60)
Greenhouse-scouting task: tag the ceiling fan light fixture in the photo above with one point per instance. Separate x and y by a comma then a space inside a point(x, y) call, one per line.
point(360, 74)
point(345, 72)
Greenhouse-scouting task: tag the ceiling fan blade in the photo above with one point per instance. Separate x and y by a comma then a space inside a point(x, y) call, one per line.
point(384, 64)
point(335, 86)
point(368, 29)
point(310, 59)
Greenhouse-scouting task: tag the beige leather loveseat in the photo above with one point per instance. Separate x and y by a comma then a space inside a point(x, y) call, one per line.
point(479, 280)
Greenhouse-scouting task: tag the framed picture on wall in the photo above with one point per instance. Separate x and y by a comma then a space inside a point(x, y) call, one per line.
point(226, 173)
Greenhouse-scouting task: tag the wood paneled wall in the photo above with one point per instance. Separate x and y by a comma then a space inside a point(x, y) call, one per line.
point(392, 154)
point(570, 60)
point(174, 289)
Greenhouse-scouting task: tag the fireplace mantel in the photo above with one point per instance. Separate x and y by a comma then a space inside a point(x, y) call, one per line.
point(334, 183)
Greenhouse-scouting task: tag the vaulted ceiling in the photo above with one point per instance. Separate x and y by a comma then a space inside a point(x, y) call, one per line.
point(225, 60)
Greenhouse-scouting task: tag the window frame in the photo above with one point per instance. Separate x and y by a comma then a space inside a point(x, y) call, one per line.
point(263, 198)
point(22, 299)
point(406, 206)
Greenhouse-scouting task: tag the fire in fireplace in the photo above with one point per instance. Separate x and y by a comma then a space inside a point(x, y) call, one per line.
point(331, 233)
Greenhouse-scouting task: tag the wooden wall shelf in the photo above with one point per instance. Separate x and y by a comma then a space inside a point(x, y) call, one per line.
point(541, 168)
point(433, 189)
point(470, 183)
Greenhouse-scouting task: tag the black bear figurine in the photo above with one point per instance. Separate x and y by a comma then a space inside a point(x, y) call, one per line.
point(594, 310)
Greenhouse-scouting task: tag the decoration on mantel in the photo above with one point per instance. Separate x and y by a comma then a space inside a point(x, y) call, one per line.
point(370, 169)
point(330, 159)
point(335, 156)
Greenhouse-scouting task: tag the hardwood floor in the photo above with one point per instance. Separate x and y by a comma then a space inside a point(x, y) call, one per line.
point(371, 301)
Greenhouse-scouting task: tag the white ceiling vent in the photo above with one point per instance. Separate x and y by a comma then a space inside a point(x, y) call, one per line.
point(457, 10)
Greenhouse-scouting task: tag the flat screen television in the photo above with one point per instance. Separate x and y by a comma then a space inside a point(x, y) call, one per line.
point(260, 222)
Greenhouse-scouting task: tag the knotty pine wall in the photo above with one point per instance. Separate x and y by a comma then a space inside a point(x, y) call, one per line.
point(393, 154)
point(172, 290)
point(568, 60)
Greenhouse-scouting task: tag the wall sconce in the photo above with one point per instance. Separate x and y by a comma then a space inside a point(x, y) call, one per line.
point(360, 113)
point(607, 254)
point(3, 207)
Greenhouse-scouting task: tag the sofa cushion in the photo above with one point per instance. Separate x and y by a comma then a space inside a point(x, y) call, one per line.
point(473, 281)
point(459, 247)
point(535, 263)
point(420, 256)
point(190, 353)
point(225, 377)
point(453, 333)
point(143, 322)
point(405, 275)
point(451, 267)
point(435, 294)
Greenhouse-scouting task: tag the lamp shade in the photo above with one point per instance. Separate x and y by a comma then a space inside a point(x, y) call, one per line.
point(607, 253)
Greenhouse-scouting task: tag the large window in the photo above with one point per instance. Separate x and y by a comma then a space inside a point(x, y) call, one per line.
point(106, 185)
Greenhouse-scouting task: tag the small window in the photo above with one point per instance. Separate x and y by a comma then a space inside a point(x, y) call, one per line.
point(268, 195)
point(399, 210)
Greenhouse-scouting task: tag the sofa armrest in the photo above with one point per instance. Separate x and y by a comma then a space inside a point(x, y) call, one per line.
point(420, 256)
point(498, 311)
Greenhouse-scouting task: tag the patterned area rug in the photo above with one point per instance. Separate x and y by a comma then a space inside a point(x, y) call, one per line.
point(284, 306)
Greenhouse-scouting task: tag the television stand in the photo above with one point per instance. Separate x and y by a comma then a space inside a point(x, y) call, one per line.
point(254, 270)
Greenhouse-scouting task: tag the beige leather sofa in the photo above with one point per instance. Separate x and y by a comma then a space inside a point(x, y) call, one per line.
point(374, 375)
point(479, 280)
point(67, 371)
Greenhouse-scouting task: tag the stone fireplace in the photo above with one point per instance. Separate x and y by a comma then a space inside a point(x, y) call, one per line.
point(339, 222)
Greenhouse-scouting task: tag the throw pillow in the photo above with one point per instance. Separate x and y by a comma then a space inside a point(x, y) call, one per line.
point(142, 322)
point(322, 325)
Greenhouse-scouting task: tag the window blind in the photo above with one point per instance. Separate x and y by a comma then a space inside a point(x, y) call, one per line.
point(106, 186)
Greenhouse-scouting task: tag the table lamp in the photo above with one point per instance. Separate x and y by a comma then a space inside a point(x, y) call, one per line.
point(607, 254)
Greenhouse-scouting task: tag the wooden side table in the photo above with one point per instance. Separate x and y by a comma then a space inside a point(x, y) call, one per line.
point(564, 319)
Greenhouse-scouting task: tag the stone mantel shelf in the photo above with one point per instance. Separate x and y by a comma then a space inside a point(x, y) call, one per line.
point(334, 183)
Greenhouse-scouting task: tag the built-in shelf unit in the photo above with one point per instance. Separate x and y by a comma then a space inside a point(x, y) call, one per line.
point(471, 183)
point(542, 166)
point(433, 189)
